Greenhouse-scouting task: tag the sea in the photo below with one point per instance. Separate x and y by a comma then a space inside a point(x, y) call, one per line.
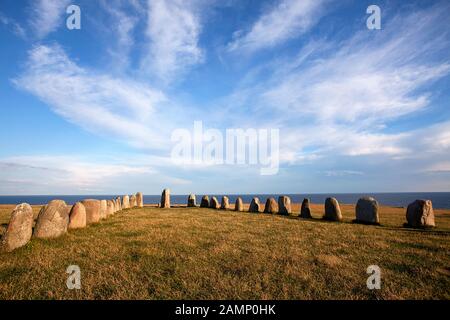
point(441, 200)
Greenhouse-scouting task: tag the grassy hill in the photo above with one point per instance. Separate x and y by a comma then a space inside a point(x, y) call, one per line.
point(183, 253)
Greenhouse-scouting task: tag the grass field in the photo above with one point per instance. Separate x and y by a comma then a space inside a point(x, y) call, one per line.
point(195, 253)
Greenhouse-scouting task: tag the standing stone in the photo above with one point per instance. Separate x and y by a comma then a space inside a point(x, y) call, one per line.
point(20, 228)
point(119, 203)
point(133, 202)
point(125, 202)
point(77, 216)
point(53, 220)
point(205, 202)
point(165, 198)
point(271, 206)
point(255, 206)
point(332, 210)
point(239, 206)
point(115, 207)
point(420, 214)
point(284, 205)
point(214, 203)
point(92, 207)
point(305, 211)
point(225, 205)
point(103, 207)
point(191, 201)
point(140, 200)
point(109, 208)
point(367, 211)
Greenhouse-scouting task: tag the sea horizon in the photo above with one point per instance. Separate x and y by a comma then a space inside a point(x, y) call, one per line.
point(441, 200)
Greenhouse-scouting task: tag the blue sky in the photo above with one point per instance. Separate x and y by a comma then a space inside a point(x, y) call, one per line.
point(91, 111)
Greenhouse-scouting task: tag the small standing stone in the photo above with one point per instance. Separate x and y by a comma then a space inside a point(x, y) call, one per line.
point(77, 216)
point(205, 202)
point(284, 205)
point(271, 206)
point(125, 202)
point(225, 204)
point(255, 206)
point(119, 203)
point(140, 200)
point(367, 211)
point(53, 220)
point(305, 211)
point(191, 201)
point(239, 206)
point(165, 198)
point(332, 210)
point(20, 228)
point(420, 214)
point(103, 208)
point(92, 207)
point(214, 204)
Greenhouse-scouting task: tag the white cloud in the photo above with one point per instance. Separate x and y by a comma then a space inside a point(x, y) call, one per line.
point(47, 15)
point(15, 27)
point(337, 97)
point(286, 20)
point(117, 107)
point(173, 29)
point(64, 172)
point(123, 24)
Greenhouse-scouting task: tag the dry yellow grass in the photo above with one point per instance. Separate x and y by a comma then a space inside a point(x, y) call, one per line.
point(183, 253)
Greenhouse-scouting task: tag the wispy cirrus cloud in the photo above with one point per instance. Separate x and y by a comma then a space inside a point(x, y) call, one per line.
point(337, 97)
point(15, 27)
point(46, 16)
point(173, 29)
point(123, 23)
point(287, 19)
point(100, 103)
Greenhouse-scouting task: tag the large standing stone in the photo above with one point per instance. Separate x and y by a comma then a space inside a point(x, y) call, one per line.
point(284, 205)
point(92, 207)
point(305, 211)
point(125, 202)
point(53, 220)
point(225, 204)
point(239, 206)
point(332, 210)
point(205, 202)
point(77, 216)
point(109, 208)
point(271, 206)
point(192, 202)
point(140, 199)
point(165, 198)
point(103, 208)
point(20, 228)
point(255, 206)
point(367, 211)
point(133, 201)
point(214, 204)
point(420, 214)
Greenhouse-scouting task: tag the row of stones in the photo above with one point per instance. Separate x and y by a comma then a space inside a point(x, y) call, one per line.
point(419, 213)
point(57, 217)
